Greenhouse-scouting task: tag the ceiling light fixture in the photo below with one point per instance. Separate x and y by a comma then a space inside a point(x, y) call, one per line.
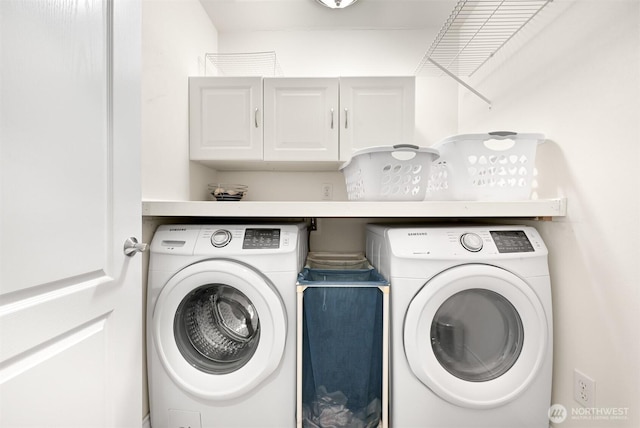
point(336, 4)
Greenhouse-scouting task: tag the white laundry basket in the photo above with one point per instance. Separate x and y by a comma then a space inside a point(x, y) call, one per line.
point(497, 166)
point(389, 173)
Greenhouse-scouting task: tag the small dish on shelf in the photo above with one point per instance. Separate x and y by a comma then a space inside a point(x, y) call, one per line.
point(227, 192)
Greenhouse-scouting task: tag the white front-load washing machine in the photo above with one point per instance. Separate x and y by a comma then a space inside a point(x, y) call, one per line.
point(221, 325)
point(471, 325)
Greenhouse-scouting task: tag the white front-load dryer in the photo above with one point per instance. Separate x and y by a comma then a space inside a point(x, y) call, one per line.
point(221, 325)
point(471, 334)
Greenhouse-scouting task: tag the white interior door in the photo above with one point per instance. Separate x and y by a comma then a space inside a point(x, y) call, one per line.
point(70, 300)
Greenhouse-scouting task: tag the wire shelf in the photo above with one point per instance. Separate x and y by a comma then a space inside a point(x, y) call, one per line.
point(264, 64)
point(474, 32)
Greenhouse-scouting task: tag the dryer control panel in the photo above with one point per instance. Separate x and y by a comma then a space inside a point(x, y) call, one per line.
point(511, 241)
point(467, 242)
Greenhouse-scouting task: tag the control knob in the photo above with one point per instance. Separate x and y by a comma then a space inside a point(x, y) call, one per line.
point(471, 242)
point(220, 238)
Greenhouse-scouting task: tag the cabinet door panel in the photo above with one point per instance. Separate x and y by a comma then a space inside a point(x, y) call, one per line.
point(301, 119)
point(225, 118)
point(375, 111)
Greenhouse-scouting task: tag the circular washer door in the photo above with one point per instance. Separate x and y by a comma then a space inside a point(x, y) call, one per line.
point(219, 328)
point(476, 335)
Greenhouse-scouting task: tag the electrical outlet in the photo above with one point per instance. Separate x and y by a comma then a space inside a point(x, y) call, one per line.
point(584, 389)
point(327, 192)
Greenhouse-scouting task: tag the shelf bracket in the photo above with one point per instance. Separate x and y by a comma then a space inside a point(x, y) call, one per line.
point(460, 81)
point(313, 224)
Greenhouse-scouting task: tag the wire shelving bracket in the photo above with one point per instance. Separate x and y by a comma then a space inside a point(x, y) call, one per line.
point(473, 33)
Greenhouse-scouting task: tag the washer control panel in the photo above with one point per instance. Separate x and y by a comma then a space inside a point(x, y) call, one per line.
point(228, 239)
point(261, 239)
point(220, 238)
point(253, 239)
point(471, 242)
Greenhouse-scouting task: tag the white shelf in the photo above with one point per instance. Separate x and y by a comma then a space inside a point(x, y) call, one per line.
point(543, 208)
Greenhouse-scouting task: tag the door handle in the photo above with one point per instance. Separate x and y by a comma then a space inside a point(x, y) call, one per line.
point(346, 118)
point(132, 246)
point(331, 118)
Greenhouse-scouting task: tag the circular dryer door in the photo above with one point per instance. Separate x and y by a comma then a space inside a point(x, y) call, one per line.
point(476, 335)
point(219, 328)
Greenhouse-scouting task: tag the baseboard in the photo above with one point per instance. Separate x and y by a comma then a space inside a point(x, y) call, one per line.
point(146, 422)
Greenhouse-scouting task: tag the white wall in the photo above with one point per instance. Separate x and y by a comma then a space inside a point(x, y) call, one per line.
point(324, 53)
point(576, 78)
point(178, 33)
point(175, 36)
point(578, 81)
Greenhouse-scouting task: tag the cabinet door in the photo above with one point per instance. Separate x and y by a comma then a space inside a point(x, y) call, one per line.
point(301, 119)
point(375, 111)
point(225, 120)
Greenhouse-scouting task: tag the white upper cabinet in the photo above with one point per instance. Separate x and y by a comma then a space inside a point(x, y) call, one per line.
point(317, 121)
point(301, 119)
point(375, 111)
point(225, 118)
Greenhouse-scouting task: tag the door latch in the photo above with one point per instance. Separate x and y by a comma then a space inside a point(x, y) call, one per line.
point(132, 246)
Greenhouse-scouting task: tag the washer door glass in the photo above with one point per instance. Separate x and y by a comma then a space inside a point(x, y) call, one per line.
point(216, 329)
point(477, 335)
point(219, 328)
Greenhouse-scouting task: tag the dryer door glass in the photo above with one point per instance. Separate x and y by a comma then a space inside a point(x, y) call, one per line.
point(216, 329)
point(477, 335)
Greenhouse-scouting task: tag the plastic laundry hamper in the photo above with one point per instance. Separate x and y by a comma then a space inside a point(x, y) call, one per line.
point(497, 166)
point(337, 260)
point(389, 173)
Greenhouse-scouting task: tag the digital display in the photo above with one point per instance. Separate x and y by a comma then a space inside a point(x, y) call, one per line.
point(261, 238)
point(512, 241)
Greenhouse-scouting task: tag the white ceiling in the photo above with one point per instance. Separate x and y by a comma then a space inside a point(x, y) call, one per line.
point(270, 15)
